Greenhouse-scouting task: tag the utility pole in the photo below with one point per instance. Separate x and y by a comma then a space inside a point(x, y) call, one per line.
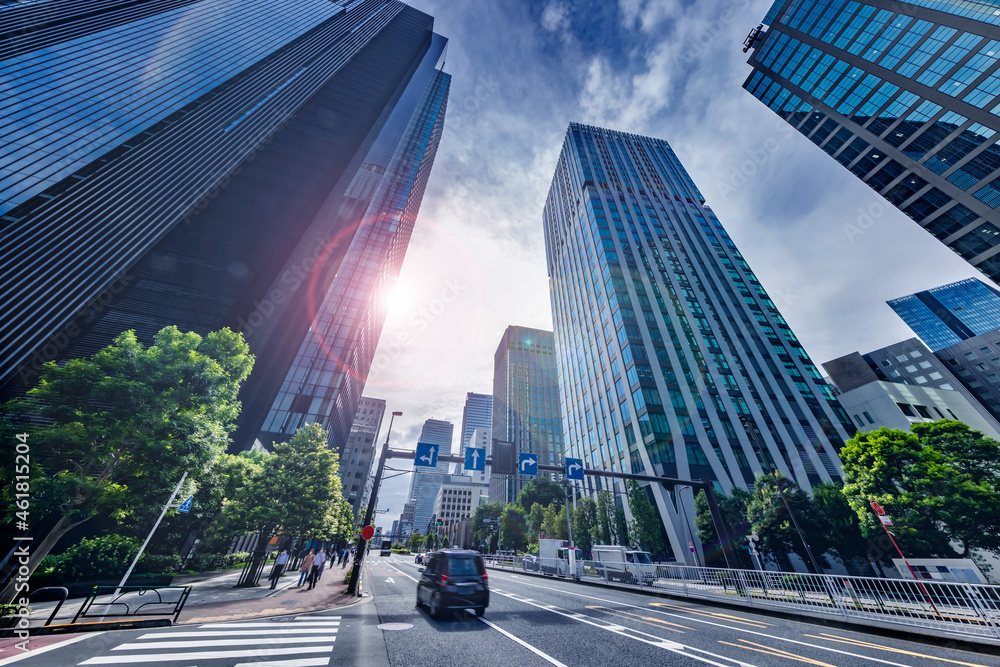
point(359, 556)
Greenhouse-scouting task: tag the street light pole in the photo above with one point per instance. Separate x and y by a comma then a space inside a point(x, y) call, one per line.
point(359, 556)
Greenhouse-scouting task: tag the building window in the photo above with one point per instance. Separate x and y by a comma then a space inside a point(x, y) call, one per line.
point(861, 424)
point(907, 409)
point(935, 376)
point(916, 354)
point(869, 418)
point(911, 369)
point(925, 364)
point(923, 411)
point(901, 358)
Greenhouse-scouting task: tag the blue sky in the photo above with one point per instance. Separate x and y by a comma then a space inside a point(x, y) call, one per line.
point(827, 248)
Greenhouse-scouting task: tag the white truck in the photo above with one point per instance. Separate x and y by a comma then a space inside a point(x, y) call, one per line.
point(556, 557)
point(615, 562)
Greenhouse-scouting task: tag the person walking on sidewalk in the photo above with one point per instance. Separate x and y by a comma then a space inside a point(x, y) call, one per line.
point(279, 568)
point(306, 568)
point(317, 565)
point(321, 559)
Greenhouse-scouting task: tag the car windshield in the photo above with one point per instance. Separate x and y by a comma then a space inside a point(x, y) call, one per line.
point(464, 566)
point(639, 557)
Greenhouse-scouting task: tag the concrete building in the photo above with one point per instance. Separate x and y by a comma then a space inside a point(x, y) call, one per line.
point(425, 482)
point(358, 454)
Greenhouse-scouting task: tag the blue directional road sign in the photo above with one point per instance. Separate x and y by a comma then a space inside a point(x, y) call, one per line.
point(574, 469)
point(475, 459)
point(185, 506)
point(527, 464)
point(427, 455)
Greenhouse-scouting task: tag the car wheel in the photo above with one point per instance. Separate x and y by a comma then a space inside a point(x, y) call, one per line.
point(419, 603)
point(480, 611)
point(435, 606)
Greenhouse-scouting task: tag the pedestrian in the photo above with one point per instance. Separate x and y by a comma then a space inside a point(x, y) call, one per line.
point(317, 562)
point(279, 567)
point(321, 559)
point(347, 557)
point(306, 567)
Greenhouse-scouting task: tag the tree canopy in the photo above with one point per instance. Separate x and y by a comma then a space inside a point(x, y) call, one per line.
point(646, 528)
point(540, 490)
point(940, 483)
point(121, 427)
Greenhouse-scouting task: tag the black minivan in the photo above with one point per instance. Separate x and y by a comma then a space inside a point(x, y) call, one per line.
point(454, 579)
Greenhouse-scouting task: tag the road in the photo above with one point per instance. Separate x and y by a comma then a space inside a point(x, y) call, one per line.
point(530, 621)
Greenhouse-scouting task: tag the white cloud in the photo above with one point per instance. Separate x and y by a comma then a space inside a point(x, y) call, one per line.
point(555, 16)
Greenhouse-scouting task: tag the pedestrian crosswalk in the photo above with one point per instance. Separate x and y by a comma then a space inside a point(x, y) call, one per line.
point(305, 641)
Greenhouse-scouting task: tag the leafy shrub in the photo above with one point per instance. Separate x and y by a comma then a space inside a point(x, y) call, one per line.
point(159, 564)
point(102, 557)
point(209, 561)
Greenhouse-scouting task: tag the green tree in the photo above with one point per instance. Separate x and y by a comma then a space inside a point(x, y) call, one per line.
point(584, 523)
point(535, 518)
point(733, 509)
point(120, 428)
point(770, 520)
point(486, 523)
point(605, 529)
point(843, 531)
point(621, 527)
point(554, 524)
point(540, 490)
point(514, 531)
point(646, 528)
point(940, 484)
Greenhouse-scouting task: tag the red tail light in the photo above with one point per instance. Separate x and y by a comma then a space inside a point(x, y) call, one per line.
point(485, 576)
point(444, 578)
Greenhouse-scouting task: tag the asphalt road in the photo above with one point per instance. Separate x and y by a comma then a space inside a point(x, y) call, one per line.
point(530, 621)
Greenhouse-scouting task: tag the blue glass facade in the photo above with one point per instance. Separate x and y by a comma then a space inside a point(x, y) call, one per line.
point(945, 315)
point(240, 163)
point(526, 403)
point(904, 94)
point(673, 360)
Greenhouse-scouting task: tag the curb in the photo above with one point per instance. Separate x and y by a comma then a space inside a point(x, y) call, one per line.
point(67, 628)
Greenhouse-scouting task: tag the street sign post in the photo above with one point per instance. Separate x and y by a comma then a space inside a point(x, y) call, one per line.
point(426, 455)
point(475, 459)
point(527, 464)
point(367, 533)
point(185, 506)
point(574, 469)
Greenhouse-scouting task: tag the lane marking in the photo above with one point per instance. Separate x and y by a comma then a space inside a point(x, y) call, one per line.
point(203, 655)
point(300, 662)
point(317, 618)
point(648, 620)
point(646, 638)
point(37, 651)
point(719, 625)
point(858, 642)
point(710, 614)
point(230, 633)
point(389, 580)
point(208, 643)
point(523, 643)
point(300, 624)
point(778, 652)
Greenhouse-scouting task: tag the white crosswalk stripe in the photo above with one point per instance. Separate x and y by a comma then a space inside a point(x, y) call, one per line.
point(294, 643)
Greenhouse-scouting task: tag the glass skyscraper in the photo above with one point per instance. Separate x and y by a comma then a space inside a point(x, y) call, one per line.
point(216, 163)
point(477, 414)
point(526, 403)
point(672, 358)
point(945, 315)
point(904, 94)
point(425, 482)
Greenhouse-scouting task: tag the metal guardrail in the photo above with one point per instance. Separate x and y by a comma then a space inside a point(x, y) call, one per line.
point(929, 605)
point(134, 601)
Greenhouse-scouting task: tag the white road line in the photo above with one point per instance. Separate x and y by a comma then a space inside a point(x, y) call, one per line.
point(230, 633)
point(317, 618)
point(300, 624)
point(208, 643)
point(404, 574)
point(694, 619)
point(202, 655)
point(638, 635)
point(523, 643)
point(301, 662)
point(37, 651)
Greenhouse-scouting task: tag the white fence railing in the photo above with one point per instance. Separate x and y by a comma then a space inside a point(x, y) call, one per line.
point(971, 610)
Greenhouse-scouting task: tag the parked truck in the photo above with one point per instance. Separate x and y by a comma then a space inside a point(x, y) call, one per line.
point(618, 563)
point(554, 557)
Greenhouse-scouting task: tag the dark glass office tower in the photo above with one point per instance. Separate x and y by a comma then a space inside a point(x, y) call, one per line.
point(673, 359)
point(203, 164)
point(945, 315)
point(904, 94)
point(526, 403)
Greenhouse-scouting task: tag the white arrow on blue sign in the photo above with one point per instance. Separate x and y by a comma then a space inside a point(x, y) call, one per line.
point(527, 464)
point(574, 469)
point(426, 455)
point(475, 459)
point(185, 506)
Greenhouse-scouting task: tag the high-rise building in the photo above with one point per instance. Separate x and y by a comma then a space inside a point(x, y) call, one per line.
point(204, 164)
point(358, 453)
point(425, 482)
point(945, 315)
point(477, 414)
point(673, 360)
point(526, 403)
point(901, 92)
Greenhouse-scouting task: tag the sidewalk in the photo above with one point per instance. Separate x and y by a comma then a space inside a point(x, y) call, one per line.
point(213, 597)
